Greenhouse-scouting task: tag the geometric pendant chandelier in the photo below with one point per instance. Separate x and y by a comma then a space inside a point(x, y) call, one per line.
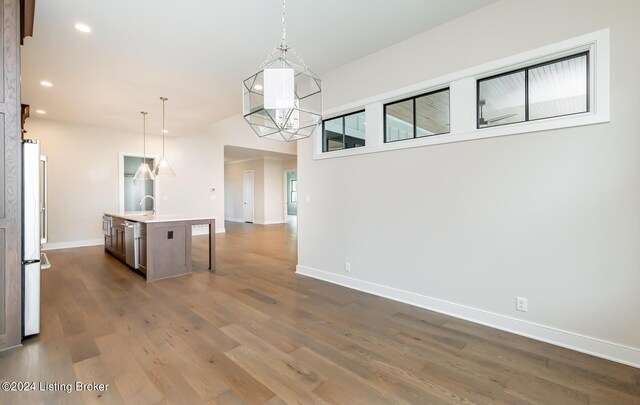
point(283, 100)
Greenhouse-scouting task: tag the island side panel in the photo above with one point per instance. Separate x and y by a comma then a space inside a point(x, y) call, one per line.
point(212, 245)
point(142, 245)
point(168, 249)
point(211, 222)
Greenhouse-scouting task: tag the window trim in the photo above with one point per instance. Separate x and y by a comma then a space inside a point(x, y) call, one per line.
point(526, 70)
point(325, 145)
point(415, 127)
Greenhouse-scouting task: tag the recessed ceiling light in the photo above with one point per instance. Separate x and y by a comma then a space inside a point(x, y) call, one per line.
point(165, 131)
point(258, 87)
point(41, 111)
point(82, 27)
point(46, 83)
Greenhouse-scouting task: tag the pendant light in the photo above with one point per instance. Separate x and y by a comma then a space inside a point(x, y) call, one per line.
point(144, 172)
point(283, 100)
point(163, 168)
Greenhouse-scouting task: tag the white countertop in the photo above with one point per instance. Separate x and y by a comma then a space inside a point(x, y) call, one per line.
point(147, 217)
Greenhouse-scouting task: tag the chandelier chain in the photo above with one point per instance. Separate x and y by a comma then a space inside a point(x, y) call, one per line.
point(284, 47)
point(284, 24)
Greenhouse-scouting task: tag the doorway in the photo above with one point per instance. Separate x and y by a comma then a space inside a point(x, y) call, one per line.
point(132, 191)
point(248, 195)
point(260, 197)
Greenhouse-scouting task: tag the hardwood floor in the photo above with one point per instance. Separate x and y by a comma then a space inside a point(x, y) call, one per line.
point(256, 333)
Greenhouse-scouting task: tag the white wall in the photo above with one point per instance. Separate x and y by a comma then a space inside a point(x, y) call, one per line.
point(275, 189)
point(233, 190)
point(83, 172)
point(83, 175)
point(268, 185)
point(465, 227)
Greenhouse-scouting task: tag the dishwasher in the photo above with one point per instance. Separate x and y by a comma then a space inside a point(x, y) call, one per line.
point(131, 243)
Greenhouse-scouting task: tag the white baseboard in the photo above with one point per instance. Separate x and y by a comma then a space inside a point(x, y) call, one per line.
point(234, 219)
point(258, 222)
point(574, 341)
point(268, 222)
point(73, 244)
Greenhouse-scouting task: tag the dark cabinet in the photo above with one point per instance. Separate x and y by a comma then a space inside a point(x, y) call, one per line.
point(115, 242)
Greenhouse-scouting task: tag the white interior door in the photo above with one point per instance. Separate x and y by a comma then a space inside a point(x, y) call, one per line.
point(247, 195)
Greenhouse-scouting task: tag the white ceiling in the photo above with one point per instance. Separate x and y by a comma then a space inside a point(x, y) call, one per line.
point(196, 52)
point(237, 154)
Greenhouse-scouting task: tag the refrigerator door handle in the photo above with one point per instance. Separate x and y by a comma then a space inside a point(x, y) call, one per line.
point(27, 262)
point(45, 200)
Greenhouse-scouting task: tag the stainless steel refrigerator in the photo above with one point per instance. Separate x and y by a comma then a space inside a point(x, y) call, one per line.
point(34, 232)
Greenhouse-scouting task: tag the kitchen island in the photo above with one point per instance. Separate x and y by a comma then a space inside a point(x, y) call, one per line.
point(157, 245)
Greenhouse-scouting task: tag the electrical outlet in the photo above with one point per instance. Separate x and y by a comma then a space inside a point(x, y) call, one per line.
point(347, 267)
point(522, 304)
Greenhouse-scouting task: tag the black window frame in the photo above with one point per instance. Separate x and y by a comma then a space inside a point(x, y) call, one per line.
point(415, 127)
point(526, 70)
point(325, 143)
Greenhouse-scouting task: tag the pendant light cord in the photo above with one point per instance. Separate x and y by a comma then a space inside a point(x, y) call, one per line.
point(144, 136)
point(163, 130)
point(283, 48)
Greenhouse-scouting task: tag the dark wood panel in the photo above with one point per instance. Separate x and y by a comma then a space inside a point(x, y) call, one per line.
point(9, 21)
point(3, 157)
point(11, 222)
point(27, 11)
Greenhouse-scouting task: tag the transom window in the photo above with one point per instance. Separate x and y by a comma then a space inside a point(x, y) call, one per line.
point(343, 132)
point(417, 117)
point(550, 89)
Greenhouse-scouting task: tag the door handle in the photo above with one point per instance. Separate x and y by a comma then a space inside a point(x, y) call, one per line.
point(44, 238)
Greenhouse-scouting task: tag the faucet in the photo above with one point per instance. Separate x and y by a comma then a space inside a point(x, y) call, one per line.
point(152, 199)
